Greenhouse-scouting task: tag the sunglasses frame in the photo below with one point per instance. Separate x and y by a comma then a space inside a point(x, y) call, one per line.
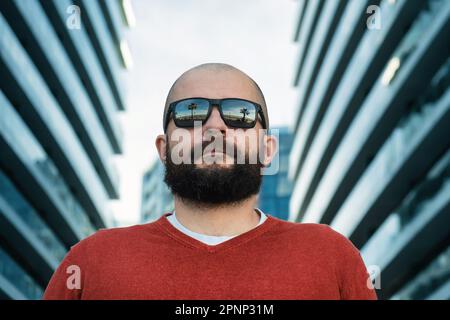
point(218, 103)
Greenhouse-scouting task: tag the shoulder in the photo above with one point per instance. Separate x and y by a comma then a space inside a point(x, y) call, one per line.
point(317, 230)
point(319, 236)
point(108, 238)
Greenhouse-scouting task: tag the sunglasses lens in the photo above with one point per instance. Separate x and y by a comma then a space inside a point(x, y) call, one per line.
point(238, 113)
point(190, 110)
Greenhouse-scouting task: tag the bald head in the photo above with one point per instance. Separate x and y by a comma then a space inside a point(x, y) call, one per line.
point(216, 81)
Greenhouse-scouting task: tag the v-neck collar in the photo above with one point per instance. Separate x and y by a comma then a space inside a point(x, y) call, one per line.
point(176, 234)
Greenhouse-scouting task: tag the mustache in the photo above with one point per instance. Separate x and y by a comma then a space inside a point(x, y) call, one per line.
point(232, 151)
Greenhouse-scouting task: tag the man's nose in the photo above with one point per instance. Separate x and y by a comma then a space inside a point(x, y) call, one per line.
point(215, 121)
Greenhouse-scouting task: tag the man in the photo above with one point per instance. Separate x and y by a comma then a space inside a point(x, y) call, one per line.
point(216, 244)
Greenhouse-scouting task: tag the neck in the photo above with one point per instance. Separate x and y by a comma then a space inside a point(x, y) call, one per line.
point(218, 221)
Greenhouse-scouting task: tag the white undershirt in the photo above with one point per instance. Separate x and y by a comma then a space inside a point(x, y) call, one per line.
point(209, 240)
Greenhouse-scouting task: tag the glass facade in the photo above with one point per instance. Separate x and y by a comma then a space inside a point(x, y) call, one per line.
point(431, 283)
point(49, 56)
point(30, 217)
point(156, 197)
point(60, 95)
point(11, 271)
point(276, 189)
point(86, 61)
point(371, 144)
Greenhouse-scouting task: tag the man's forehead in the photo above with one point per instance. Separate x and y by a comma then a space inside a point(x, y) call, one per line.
point(213, 83)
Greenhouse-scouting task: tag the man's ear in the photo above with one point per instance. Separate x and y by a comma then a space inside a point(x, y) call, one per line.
point(161, 145)
point(270, 148)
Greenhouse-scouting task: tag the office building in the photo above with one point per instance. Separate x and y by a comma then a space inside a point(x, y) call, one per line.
point(276, 189)
point(156, 197)
point(62, 66)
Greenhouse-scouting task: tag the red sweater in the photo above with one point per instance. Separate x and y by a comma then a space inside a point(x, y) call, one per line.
point(276, 260)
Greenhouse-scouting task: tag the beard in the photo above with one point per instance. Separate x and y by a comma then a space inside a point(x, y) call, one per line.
point(213, 185)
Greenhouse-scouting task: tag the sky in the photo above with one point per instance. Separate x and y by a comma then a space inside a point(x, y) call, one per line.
point(172, 36)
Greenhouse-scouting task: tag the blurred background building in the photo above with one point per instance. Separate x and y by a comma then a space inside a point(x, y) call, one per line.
point(156, 197)
point(61, 89)
point(371, 155)
point(276, 189)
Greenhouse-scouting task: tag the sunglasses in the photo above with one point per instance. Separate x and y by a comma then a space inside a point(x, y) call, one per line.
point(235, 112)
